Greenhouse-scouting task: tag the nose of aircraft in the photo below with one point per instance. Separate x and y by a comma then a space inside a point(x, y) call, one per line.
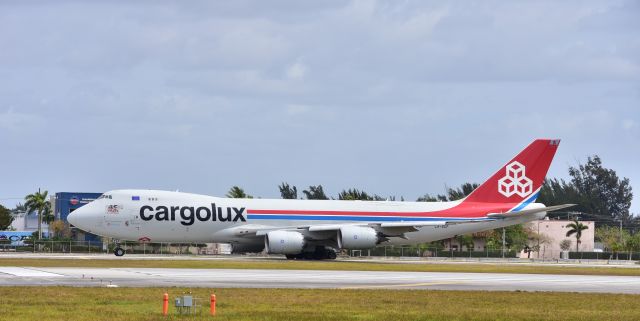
point(72, 218)
point(81, 217)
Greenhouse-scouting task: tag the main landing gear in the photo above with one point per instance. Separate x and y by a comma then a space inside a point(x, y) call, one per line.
point(320, 253)
point(118, 251)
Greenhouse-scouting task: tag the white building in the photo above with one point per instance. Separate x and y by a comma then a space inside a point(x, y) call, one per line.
point(24, 222)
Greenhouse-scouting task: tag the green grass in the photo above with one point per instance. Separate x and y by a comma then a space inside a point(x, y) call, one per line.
point(324, 265)
point(66, 303)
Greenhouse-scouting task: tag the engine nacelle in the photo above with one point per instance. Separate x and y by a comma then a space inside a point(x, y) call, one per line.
point(284, 242)
point(357, 238)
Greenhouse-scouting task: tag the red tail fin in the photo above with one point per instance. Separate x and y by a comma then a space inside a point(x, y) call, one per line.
point(521, 178)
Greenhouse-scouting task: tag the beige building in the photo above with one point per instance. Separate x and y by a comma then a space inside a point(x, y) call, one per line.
point(547, 234)
point(552, 232)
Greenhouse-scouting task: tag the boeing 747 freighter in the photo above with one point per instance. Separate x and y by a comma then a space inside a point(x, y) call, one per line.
point(315, 229)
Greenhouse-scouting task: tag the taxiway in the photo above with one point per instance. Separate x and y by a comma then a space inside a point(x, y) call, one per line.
point(260, 278)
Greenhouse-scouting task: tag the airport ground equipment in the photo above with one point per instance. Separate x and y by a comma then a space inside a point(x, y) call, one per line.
point(186, 304)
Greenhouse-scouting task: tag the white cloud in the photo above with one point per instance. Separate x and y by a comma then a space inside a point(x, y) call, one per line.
point(296, 71)
point(18, 122)
point(295, 109)
point(629, 124)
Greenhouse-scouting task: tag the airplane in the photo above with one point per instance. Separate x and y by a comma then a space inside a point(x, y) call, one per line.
point(315, 229)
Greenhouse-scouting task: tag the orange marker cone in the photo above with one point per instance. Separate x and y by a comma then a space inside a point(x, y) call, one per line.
point(165, 303)
point(213, 304)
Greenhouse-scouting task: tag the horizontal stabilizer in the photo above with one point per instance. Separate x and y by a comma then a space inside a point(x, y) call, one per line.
point(531, 211)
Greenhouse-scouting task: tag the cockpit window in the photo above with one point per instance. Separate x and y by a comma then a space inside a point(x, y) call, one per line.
point(104, 196)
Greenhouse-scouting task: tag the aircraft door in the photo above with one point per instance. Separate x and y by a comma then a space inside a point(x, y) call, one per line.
point(133, 219)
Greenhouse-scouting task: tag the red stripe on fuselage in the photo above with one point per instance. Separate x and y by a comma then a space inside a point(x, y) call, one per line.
point(464, 210)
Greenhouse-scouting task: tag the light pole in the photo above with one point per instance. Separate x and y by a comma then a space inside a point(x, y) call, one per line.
point(39, 220)
point(538, 237)
point(503, 241)
point(620, 231)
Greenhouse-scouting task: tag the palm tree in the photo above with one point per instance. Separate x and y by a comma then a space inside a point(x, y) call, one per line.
point(576, 228)
point(20, 208)
point(315, 193)
point(37, 202)
point(237, 192)
point(287, 191)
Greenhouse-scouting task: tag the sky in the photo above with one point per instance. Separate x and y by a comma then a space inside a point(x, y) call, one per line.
point(393, 97)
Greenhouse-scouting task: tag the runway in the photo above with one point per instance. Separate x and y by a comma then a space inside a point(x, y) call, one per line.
point(253, 278)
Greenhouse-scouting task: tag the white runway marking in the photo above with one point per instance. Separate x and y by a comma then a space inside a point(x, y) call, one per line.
point(25, 272)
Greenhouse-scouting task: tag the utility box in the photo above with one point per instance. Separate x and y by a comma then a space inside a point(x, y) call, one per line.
point(186, 304)
point(187, 301)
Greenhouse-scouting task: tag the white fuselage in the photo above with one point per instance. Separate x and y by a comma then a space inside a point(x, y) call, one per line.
point(161, 216)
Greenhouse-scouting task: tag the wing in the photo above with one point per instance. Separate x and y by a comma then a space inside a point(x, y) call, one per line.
point(394, 228)
point(386, 229)
point(323, 231)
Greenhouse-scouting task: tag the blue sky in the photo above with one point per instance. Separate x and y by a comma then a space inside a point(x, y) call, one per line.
point(393, 97)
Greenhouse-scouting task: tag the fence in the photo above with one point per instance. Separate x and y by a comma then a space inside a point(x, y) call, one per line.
point(50, 246)
point(417, 251)
point(633, 256)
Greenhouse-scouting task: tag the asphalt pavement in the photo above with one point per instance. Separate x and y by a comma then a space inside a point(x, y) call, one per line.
point(259, 278)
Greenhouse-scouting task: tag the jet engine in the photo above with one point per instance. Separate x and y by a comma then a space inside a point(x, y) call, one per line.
point(284, 242)
point(357, 238)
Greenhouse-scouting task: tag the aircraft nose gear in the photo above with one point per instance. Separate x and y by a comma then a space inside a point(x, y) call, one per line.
point(118, 251)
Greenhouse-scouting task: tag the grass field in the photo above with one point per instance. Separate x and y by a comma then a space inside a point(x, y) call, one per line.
point(323, 265)
point(63, 303)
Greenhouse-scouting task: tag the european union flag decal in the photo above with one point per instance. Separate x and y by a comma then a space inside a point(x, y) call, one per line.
point(135, 198)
